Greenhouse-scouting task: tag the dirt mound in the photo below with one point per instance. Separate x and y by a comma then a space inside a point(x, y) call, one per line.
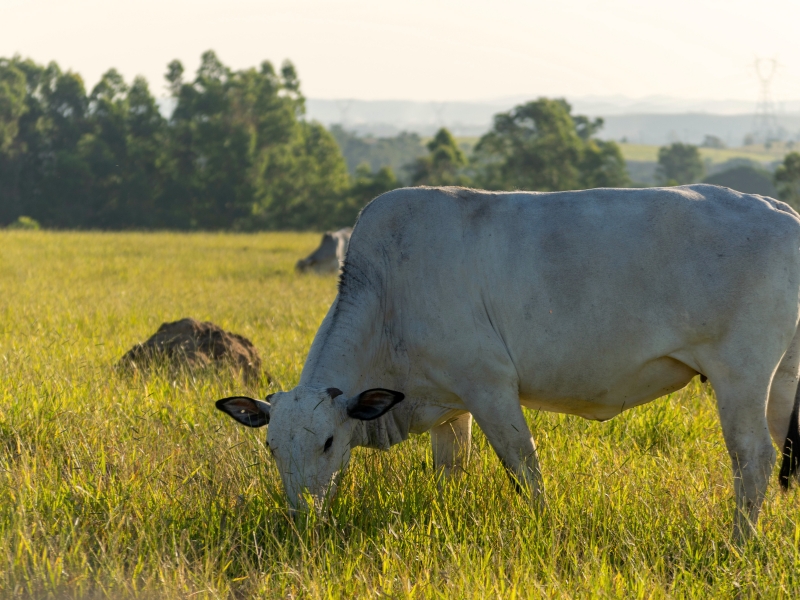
point(195, 344)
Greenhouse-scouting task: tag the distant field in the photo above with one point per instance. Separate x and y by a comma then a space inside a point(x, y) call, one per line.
point(640, 152)
point(647, 153)
point(115, 486)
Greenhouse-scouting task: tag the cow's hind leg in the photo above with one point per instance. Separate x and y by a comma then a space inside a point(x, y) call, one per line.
point(451, 442)
point(501, 420)
point(742, 410)
point(782, 412)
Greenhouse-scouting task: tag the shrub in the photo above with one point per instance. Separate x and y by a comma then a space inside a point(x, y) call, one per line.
point(24, 222)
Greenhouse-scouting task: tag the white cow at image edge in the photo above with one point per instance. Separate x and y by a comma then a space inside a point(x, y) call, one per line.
point(586, 303)
point(329, 255)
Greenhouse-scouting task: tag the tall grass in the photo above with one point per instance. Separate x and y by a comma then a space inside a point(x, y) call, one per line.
point(131, 486)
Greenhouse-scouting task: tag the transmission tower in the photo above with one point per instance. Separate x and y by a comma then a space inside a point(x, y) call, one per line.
point(765, 124)
point(344, 108)
point(438, 109)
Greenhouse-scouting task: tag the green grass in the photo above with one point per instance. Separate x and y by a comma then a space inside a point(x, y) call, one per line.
point(116, 486)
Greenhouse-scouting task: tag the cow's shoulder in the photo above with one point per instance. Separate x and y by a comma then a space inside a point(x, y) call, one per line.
point(397, 209)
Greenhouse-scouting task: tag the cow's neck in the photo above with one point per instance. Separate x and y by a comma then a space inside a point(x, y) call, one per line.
point(355, 350)
point(352, 352)
point(348, 349)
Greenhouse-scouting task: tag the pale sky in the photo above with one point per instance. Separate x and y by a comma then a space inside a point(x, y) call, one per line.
point(429, 50)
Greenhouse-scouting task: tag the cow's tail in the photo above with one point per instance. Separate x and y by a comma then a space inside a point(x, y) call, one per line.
point(791, 447)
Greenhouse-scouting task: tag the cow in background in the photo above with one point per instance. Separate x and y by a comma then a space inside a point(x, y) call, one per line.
point(329, 256)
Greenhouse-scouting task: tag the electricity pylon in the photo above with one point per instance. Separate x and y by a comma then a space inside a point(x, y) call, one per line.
point(765, 124)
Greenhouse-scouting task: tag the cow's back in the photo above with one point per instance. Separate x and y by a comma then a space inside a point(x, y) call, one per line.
point(486, 237)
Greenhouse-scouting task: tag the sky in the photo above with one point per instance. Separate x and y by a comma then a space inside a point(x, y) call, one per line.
point(430, 50)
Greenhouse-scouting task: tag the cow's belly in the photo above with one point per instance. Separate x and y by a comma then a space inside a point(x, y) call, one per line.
point(583, 398)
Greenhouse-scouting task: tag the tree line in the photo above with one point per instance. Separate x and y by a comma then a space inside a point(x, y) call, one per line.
point(237, 153)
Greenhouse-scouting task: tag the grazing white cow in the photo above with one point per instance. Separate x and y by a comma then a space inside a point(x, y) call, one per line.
point(329, 256)
point(586, 303)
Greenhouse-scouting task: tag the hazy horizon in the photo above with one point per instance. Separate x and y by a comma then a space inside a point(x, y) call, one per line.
point(436, 51)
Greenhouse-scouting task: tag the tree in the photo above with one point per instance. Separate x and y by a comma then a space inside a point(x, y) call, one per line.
point(123, 148)
point(396, 152)
point(104, 149)
point(60, 175)
point(542, 146)
point(603, 165)
point(12, 103)
point(443, 165)
point(679, 164)
point(79, 160)
point(241, 156)
point(303, 185)
point(787, 180)
point(713, 141)
point(236, 152)
point(12, 108)
point(366, 185)
point(147, 134)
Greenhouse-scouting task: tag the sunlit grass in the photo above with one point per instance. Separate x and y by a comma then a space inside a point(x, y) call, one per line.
point(116, 486)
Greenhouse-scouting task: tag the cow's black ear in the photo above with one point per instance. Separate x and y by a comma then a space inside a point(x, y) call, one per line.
point(372, 403)
point(247, 411)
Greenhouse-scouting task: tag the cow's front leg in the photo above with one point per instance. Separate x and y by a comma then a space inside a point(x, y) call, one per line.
point(451, 442)
point(502, 421)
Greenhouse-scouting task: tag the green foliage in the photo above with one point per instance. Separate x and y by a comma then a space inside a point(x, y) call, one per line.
point(444, 164)
point(241, 156)
point(787, 180)
point(367, 185)
point(304, 185)
point(746, 179)
point(679, 164)
point(116, 486)
point(542, 146)
point(394, 152)
point(24, 222)
point(603, 165)
point(12, 103)
point(235, 154)
point(83, 160)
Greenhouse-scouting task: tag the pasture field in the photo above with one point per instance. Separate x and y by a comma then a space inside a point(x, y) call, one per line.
point(758, 153)
point(132, 486)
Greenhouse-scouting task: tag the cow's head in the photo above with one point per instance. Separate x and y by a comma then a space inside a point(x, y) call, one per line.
point(323, 259)
point(309, 434)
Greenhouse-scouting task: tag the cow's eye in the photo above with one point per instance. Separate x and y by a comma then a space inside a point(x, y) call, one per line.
point(328, 444)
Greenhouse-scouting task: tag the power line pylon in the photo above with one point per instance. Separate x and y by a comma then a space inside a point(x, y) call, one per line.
point(765, 124)
point(438, 110)
point(344, 108)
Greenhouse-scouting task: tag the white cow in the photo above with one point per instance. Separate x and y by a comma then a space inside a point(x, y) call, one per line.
point(587, 303)
point(329, 255)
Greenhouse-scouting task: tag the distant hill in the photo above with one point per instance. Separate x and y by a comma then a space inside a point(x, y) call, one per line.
point(688, 128)
point(655, 121)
